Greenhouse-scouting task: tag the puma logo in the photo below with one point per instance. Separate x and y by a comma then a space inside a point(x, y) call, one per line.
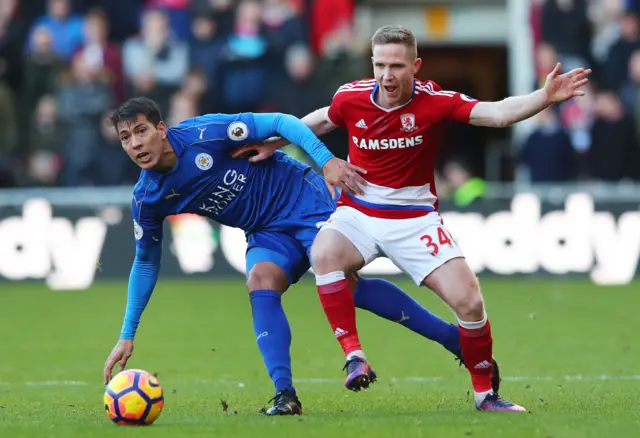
point(404, 318)
point(173, 194)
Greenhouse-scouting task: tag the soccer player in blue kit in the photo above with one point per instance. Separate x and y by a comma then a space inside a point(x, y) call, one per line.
point(279, 203)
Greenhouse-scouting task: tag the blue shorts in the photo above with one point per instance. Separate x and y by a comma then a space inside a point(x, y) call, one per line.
point(287, 242)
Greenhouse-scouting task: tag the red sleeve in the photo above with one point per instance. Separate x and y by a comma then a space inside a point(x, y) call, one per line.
point(457, 106)
point(335, 110)
point(461, 107)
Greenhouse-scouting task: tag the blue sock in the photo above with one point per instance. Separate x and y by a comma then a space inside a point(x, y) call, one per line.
point(273, 336)
point(388, 301)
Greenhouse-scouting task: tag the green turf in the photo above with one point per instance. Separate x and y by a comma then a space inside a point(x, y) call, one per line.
point(570, 349)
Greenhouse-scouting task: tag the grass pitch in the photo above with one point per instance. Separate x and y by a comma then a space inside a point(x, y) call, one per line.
point(568, 351)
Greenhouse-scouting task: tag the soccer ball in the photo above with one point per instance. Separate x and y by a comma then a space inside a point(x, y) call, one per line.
point(133, 398)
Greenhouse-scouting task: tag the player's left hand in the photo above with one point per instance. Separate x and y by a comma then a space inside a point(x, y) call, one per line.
point(345, 175)
point(561, 87)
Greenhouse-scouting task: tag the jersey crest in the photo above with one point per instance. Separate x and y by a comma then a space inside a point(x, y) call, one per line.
point(408, 121)
point(204, 161)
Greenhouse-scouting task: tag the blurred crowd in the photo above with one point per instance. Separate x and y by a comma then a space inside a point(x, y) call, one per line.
point(66, 64)
point(596, 137)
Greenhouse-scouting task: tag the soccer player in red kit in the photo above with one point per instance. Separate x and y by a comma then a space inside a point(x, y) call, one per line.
point(396, 124)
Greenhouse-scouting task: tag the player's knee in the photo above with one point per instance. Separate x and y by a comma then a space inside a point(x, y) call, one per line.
point(325, 261)
point(267, 276)
point(470, 306)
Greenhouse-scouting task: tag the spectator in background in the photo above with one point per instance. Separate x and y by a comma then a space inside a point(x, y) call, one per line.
point(100, 54)
point(548, 152)
point(205, 46)
point(222, 11)
point(535, 23)
point(8, 121)
point(82, 102)
point(605, 17)
point(630, 91)
point(183, 106)
point(328, 19)
point(299, 91)
point(44, 160)
point(566, 27)
point(12, 35)
point(45, 124)
point(178, 14)
point(342, 57)
point(577, 116)
point(613, 155)
point(466, 187)
point(155, 62)
point(546, 59)
point(283, 27)
point(242, 76)
point(10, 80)
point(121, 25)
point(41, 70)
point(194, 86)
point(616, 69)
point(230, 55)
point(65, 28)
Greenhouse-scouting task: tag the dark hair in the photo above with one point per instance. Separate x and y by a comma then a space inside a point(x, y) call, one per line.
point(132, 108)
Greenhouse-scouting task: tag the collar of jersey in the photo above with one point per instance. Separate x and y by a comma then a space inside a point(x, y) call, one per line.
point(175, 143)
point(375, 90)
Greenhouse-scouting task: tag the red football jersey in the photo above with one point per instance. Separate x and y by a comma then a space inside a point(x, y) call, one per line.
point(398, 146)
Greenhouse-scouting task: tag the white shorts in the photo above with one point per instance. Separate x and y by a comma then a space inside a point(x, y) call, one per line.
point(416, 246)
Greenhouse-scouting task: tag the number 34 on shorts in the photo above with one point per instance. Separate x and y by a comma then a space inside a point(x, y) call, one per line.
point(438, 238)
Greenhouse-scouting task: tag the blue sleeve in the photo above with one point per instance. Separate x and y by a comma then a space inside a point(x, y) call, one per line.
point(229, 131)
point(142, 280)
point(294, 130)
point(147, 228)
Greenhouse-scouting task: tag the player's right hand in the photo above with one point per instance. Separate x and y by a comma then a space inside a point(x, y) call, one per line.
point(345, 175)
point(120, 353)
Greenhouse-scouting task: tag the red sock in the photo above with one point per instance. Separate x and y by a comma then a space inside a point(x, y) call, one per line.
point(337, 302)
point(477, 346)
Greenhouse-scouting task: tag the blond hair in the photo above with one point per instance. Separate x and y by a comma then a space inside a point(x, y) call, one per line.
point(394, 35)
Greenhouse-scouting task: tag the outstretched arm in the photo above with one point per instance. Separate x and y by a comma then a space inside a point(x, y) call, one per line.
point(142, 280)
point(294, 131)
point(337, 172)
point(318, 122)
point(558, 88)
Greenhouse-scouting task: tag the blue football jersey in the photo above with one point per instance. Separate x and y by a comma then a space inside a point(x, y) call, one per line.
point(208, 182)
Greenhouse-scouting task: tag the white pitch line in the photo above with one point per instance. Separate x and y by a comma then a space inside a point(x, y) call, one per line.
point(567, 378)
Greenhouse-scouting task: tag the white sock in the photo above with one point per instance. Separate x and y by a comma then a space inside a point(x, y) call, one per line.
point(480, 396)
point(357, 353)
